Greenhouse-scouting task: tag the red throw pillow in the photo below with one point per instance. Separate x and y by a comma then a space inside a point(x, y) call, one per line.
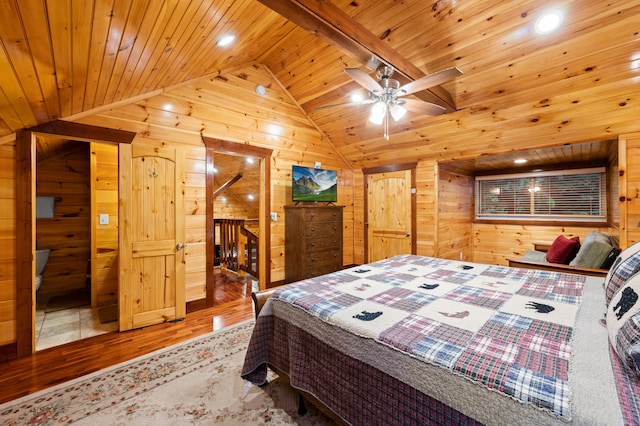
point(563, 249)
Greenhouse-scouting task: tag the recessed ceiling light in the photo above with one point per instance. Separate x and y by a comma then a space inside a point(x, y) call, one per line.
point(274, 129)
point(549, 22)
point(226, 40)
point(520, 161)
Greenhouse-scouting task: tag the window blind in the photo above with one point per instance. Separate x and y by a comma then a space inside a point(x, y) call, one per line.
point(566, 194)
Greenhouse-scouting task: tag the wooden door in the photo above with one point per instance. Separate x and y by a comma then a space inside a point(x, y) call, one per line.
point(151, 221)
point(389, 214)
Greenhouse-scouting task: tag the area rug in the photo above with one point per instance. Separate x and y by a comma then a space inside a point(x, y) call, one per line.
point(194, 383)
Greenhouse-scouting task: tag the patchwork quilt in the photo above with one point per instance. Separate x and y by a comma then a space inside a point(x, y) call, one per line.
point(509, 329)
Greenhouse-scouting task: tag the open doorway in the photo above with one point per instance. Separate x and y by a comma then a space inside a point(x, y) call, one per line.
point(76, 274)
point(26, 141)
point(238, 188)
point(236, 213)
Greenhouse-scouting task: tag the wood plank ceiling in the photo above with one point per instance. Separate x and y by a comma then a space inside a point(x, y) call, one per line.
point(59, 59)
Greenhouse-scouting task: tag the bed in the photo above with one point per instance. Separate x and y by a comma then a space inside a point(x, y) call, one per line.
point(420, 340)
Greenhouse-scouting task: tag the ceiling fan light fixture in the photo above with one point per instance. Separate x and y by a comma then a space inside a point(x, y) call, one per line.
point(357, 97)
point(378, 111)
point(398, 111)
point(384, 94)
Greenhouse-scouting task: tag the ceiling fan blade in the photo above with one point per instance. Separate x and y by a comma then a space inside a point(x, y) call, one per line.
point(365, 102)
point(422, 107)
point(428, 81)
point(363, 79)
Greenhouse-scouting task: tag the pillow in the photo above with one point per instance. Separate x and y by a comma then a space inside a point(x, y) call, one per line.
point(594, 251)
point(563, 249)
point(625, 266)
point(623, 322)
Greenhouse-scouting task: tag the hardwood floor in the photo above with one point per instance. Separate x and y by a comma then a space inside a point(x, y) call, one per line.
point(232, 304)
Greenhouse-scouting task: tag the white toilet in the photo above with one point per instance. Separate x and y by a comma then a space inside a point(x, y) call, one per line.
point(42, 256)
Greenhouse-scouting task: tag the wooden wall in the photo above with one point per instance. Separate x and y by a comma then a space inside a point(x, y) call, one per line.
point(629, 189)
point(358, 231)
point(228, 208)
point(494, 243)
point(8, 243)
point(104, 240)
point(226, 107)
point(455, 214)
point(426, 206)
point(195, 220)
point(66, 177)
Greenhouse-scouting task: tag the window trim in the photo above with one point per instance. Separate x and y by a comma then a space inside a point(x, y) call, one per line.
point(540, 218)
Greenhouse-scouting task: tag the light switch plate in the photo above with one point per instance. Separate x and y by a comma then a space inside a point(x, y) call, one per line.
point(274, 216)
point(104, 219)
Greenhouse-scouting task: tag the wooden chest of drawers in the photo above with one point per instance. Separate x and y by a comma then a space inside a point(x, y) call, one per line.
point(313, 241)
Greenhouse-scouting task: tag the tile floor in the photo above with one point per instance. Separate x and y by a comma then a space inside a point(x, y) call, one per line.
point(68, 325)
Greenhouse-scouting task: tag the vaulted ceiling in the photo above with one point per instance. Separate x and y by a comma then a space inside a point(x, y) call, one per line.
point(59, 59)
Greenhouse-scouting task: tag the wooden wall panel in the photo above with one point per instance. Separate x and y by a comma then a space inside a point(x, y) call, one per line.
point(426, 208)
point(455, 214)
point(633, 192)
point(629, 200)
point(104, 242)
point(66, 177)
point(195, 217)
point(358, 217)
point(8, 243)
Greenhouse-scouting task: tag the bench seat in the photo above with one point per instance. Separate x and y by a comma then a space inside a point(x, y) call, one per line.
point(535, 259)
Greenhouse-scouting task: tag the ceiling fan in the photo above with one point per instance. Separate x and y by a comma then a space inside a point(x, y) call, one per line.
point(387, 94)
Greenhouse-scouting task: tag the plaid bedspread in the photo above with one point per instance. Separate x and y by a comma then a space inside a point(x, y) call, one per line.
point(506, 328)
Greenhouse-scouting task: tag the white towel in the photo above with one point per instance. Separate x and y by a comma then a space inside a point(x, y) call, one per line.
point(44, 207)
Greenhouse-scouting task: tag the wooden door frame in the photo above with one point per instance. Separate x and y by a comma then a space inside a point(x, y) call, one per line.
point(264, 267)
point(25, 217)
point(387, 169)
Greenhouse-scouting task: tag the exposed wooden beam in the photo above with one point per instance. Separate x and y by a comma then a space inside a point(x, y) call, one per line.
point(84, 132)
point(336, 28)
point(226, 185)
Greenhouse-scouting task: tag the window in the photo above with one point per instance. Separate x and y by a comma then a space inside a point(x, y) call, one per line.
point(576, 195)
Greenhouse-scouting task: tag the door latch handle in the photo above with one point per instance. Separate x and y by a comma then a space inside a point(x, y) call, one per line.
point(180, 246)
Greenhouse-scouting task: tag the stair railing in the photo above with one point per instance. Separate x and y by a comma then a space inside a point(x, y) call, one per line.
point(236, 246)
